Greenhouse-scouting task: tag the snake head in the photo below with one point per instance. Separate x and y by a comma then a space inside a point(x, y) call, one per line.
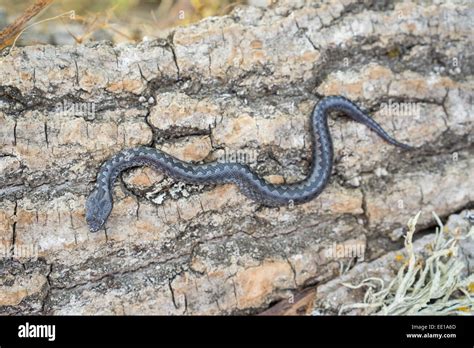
point(98, 208)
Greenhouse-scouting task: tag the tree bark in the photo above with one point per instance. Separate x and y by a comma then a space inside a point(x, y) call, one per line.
point(238, 85)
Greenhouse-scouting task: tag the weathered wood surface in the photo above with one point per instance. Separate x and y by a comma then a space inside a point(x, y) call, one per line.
point(240, 84)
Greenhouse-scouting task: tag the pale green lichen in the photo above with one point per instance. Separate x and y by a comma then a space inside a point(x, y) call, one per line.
point(432, 284)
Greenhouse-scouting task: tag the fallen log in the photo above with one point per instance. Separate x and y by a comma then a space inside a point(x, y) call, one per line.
point(237, 86)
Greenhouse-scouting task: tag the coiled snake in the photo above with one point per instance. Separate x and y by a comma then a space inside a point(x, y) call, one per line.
point(99, 203)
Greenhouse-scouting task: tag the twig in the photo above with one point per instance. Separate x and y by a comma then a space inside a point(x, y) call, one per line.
point(71, 14)
point(13, 29)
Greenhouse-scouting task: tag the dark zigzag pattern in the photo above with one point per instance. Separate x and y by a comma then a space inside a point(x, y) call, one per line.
point(248, 182)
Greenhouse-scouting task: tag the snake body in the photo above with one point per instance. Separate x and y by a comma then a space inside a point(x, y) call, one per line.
point(99, 203)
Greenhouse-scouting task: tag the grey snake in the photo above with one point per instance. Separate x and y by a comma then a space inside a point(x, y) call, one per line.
point(99, 203)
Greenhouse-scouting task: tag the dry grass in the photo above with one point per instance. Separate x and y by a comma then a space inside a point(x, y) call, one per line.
point(9, 34)
point(123, 20)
